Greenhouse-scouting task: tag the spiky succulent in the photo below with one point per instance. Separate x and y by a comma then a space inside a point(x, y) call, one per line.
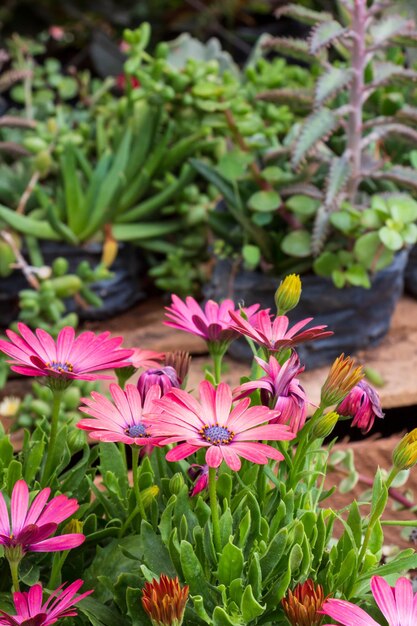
point(340, 140)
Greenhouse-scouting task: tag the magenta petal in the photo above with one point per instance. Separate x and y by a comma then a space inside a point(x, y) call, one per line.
point(181, 452)
point(347, 614)
point(213, 456)
point(19, 506)
point(55, 544)
point(4, 517)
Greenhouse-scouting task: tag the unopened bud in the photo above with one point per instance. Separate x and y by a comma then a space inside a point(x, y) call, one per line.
point(110, 248)
point(149, 494)
point(287, 296)
point(73, 526)
point(325, 425)
point(176, 483)
point(343, 376)
point(405, 453)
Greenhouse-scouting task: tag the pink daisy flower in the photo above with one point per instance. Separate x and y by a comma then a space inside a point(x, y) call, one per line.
point(68, 358)
point(146, 358)
point(120, 420)
point(280, 390)
point(275, 335)
point(363, 404)
point(31, 612)
point(213, 323)
point(28, 528)
point(225, 431)
point(397, 604)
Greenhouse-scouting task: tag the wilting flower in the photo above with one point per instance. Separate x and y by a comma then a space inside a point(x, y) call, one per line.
point(342, 378)
point(199, 473)
point(213, 324)
point(31, 612)
point(288, 294)
point(29, 527)
point(275, 335)
point(68, 358)
point(180, 360)
point(363, 404)
point(120, 420)
point(280, 390)
point(397, 604)
point(164, 601)
point(227, 432)
point(165, 377)
point(405, 452)
point(302, 605)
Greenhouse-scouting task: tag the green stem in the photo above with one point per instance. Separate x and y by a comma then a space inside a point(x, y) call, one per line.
point(214, 509)
point(14, 569)
point(406, 523)
point(135, 471)
point(128, 521)
point(57, 563)
point(122, 450)
point(217, 365)
point(391, 477)
point(56, 404)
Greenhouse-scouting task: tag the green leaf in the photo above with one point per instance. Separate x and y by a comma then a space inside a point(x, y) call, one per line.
point(316, 128)
point(324, 34)
point(213, 177)
point(302, 205)
point(221, 618)
point(409, 234)
point(230, 564)
point(366, 248)
point(390, 238)
point(249, 606)
point(402, 208)
point(273, 174)
point(290, 46)
point(358, 276)
point(251, 256)
point(331, 83)
point(264, 201)
point(233, 165)
point(297, 243)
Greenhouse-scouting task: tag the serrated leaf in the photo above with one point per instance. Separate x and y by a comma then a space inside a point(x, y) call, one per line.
point(338, 176)
point(302, 14)
point(316, 128)
point(290, 46)
point(324, 34)
point(230, 564)
point(320, 230)
point(331, 82)
point(385, 130)
point(385, 72)
point(389, 27)
point(249, 606)
point(294, 97)
point(401, 175)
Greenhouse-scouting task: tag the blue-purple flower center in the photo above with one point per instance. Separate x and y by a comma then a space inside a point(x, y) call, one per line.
point(137, 430)
point(217, 435)
point(60, 367)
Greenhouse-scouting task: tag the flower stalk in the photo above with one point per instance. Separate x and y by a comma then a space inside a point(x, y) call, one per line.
point(215, 520)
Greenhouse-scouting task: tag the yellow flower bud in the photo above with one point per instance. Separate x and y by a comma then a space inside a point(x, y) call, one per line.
point(405, 453)
point(73, 526)
point(149, 494)
point(287, 296)
point(110, 248)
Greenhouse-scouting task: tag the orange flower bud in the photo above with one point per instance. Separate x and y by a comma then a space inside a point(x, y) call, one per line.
point(164, 601)
point(343, 376)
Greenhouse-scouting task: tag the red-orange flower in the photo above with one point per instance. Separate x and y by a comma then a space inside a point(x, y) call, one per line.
point(302, 605)
point(164, 601)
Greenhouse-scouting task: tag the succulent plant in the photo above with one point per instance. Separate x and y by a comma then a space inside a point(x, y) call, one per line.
point(339, 139)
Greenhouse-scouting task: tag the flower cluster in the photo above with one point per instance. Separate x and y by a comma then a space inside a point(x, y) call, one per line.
point(253, 460)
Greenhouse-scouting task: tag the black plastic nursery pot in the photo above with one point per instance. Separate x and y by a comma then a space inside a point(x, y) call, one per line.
point(118, 293)
point(358, 317)
point(411, 273)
